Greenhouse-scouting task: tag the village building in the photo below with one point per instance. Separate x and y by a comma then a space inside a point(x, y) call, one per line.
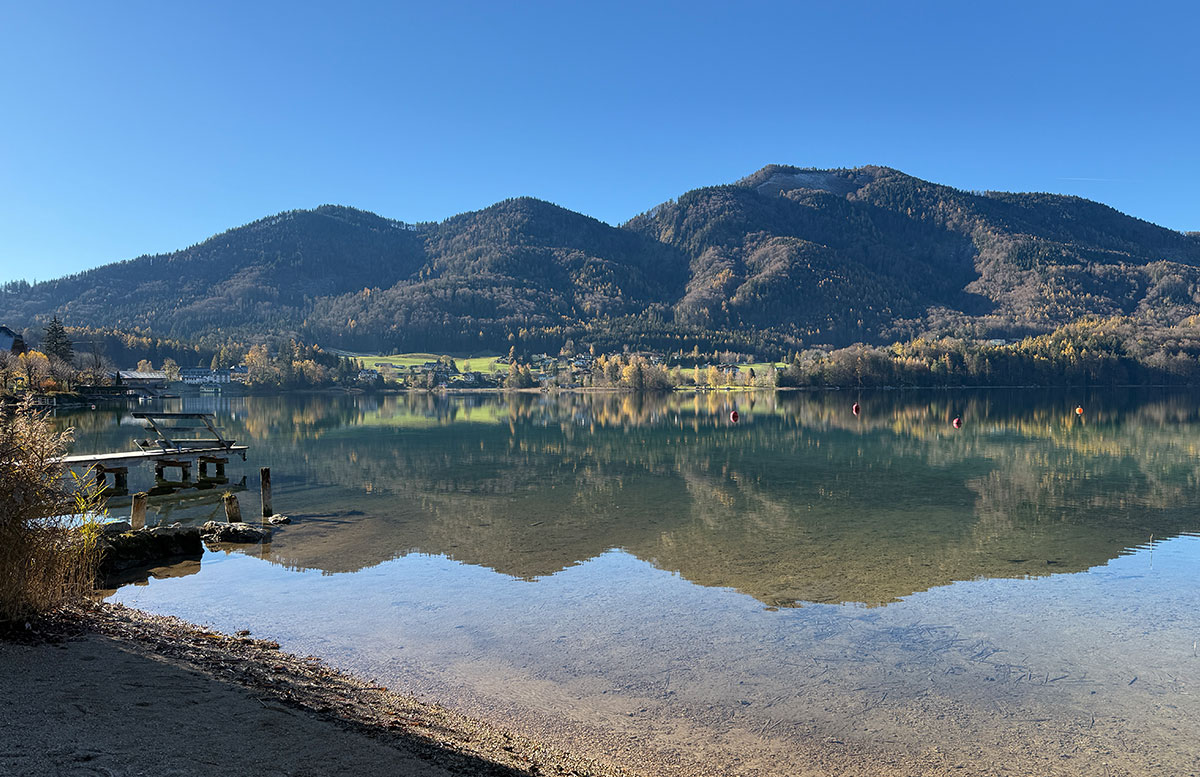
point(202, 376)
point(154, 380)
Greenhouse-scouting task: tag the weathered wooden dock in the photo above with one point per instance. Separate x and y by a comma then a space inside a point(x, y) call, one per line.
point(170, 449)
point(134, 457)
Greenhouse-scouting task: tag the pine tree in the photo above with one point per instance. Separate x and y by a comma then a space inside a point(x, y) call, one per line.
point(56, 343)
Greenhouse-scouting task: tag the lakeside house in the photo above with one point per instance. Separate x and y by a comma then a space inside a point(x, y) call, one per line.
point(203, 376)
point(154, 379)
point(11, 341)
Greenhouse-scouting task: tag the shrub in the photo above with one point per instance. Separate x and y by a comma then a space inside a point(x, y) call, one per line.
point(49, 532)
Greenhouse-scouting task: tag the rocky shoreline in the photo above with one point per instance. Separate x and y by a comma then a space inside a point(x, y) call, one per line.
point(126, 549)
point(357, 724)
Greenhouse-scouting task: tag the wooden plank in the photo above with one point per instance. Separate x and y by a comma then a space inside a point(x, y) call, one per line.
point(153, 453)
point(148, 414)
point(188, 443)
point(163, 438)
point(175, 428)
point(208, 421)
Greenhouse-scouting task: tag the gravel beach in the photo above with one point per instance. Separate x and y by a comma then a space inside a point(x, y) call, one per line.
point(107, 690)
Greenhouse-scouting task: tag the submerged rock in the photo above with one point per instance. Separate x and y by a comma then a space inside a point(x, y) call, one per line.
point(218, 531)
point(128, 549)
point(276, 520)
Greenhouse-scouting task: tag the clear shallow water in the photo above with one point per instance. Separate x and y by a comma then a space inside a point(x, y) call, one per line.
point(804, 587)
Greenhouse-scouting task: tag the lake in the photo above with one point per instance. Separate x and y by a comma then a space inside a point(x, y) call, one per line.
point(803, 591)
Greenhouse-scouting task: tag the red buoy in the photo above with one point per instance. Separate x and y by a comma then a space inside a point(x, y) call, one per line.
point(733, 416)
point(957, 423)
point(855, 409)
point(1079, 410)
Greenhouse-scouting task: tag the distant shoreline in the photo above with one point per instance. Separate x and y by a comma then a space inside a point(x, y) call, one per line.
point(77, 404)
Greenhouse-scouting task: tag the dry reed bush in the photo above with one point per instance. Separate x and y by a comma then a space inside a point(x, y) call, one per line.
point(49, 532)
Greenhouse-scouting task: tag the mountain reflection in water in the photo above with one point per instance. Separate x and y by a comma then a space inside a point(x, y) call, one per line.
point(800, 501)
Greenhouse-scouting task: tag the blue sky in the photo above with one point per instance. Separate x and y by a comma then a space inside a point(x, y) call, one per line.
point(144, 127)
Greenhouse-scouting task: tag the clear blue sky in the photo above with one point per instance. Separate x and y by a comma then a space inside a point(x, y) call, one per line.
point(143, 127)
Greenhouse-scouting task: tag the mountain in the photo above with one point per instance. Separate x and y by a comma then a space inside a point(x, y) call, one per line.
point(784, 258)
point(261, 276)
point(522, 264)
point(874, 254)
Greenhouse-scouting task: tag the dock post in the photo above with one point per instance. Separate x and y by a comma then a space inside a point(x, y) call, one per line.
point(265, 475)
point(137, 518)
point(233, 511)
point(121, 474)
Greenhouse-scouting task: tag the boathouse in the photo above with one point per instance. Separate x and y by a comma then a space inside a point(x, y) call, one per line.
point(133, 379)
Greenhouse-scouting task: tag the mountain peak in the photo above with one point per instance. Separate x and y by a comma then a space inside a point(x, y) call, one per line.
point(774, 179)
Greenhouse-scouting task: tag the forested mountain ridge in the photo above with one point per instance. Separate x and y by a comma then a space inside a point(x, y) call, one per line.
point(874, 254)
point(260, 276)
point(518, 266)
point(782, 259)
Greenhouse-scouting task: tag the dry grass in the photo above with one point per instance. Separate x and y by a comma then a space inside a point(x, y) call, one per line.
point(48, 554)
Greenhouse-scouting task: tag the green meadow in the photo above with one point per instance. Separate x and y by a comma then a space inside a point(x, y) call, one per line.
point(482, 363)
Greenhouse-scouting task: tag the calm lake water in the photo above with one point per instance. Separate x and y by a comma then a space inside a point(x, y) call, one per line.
point(802, 591)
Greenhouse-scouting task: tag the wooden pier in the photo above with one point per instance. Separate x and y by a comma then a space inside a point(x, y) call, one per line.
point(174, 446)
point(125, 458)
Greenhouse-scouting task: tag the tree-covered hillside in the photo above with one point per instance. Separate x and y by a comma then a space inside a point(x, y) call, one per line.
point(873, 254)
point(784, 259)
point(261, 277)
point(520, 265)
